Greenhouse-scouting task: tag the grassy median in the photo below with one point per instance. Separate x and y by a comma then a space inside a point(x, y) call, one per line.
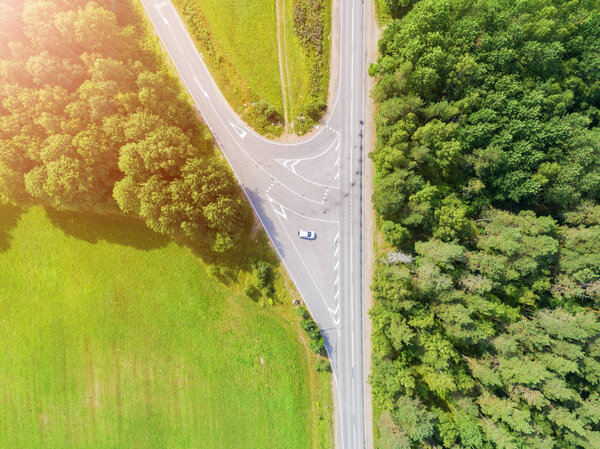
point(112, 336)
point(239, 42)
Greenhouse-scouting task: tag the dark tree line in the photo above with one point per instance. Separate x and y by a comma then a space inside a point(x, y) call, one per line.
point(91, 119)
point(486, 329)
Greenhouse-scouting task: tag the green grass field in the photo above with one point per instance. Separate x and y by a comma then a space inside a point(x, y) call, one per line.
point(246, 33)
point(239, 41)
point(114, 337)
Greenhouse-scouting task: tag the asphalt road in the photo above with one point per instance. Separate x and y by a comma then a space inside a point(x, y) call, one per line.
point(315, 184)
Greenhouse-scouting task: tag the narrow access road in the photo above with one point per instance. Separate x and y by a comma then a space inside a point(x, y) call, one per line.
point(315, 184)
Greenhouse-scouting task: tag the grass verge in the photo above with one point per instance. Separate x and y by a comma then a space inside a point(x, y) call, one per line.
point(238, 39)
point(113, 336)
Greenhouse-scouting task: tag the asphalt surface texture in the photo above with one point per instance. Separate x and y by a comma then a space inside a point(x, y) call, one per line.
point(314, 185)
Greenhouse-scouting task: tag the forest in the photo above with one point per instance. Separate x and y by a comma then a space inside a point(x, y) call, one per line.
point(485, 324)
point(92, 120)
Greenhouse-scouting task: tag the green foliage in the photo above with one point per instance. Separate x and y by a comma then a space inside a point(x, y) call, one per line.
point(316, 342)
point(265, 277)
point(322, 365)
point(252, 292)
point(92, 120)
point(487, 178)
point(310, 25)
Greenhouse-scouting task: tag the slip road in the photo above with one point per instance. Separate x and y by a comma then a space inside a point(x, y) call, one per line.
point(315, 184)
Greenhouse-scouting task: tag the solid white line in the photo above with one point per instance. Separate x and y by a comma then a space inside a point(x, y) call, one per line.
point(352, 219)
point(362, 171)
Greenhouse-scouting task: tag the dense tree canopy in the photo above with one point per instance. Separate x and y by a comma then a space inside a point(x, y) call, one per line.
point(486, 329)
point(91, 119)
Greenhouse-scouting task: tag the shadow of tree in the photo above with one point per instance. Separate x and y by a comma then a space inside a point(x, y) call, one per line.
point(119, 229)
point(252, 247)
point(132, 231)
point(9, 217)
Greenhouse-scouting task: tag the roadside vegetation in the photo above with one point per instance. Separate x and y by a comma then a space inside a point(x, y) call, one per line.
point(485, 328)
point(91, 119)
point(115, 336)
point(239, 41)
point(387, 10)
point(126, 248)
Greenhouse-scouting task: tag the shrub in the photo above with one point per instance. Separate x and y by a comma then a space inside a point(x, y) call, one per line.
point(252, 292)
point(322, 365)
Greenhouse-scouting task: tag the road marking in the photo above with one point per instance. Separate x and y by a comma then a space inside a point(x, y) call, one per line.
point(240, 132)
point(200, 86)
point(337, 265)
point(301, 259)
point(286, 162)
point(280, 212)
point(322, 220)
point(337, 250)
point(338, 95)
point(219, 116)
point(158, 7)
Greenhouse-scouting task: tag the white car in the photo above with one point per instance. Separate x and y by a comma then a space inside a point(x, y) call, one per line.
point(307, 235)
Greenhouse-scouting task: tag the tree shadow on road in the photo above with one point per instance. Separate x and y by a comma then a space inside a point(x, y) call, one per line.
point(9, 217)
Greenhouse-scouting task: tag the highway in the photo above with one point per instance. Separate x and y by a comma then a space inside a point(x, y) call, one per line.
point(315, 184)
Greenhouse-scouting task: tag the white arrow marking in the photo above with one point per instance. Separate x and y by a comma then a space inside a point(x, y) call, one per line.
point(238, 130)
point(281, 212)
point(200, 86)
point(158, 7)
point(293, 167)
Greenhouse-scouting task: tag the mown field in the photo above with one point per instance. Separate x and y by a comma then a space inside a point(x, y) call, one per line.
point(112, 336)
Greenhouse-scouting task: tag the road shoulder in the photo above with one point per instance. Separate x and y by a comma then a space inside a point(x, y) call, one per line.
point(373, 33)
